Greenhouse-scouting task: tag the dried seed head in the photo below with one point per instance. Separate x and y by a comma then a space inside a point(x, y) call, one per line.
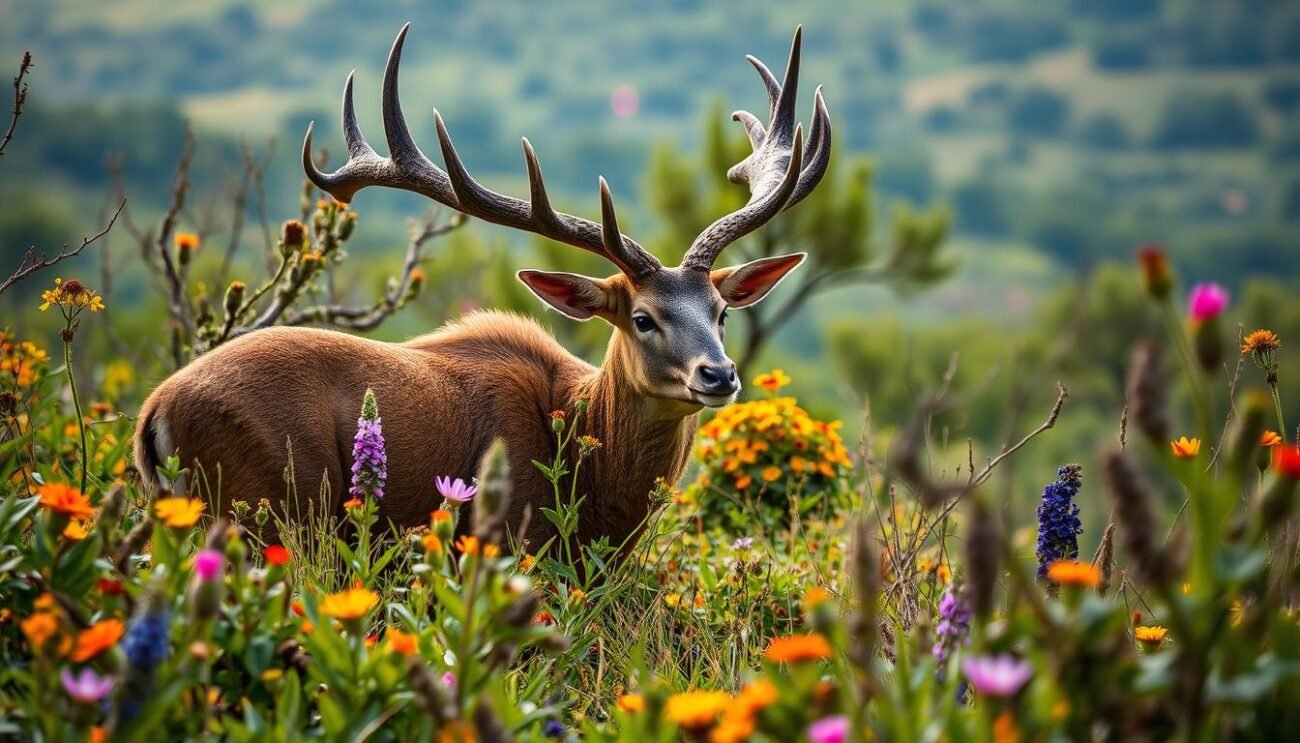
point(1145, 388)
point(1135, 517)
point(1243, 439)
point(983, 545)
point(493, 490)
point(1105, 558)
point(430, 692)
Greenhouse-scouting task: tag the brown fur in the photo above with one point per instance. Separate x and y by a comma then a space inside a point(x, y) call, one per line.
point(443, 397)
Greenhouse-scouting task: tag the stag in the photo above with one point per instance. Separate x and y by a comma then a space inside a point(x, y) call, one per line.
point(447, 395)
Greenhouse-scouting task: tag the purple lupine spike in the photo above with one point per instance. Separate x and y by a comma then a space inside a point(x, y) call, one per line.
point(369, 460)
point(1058, 520)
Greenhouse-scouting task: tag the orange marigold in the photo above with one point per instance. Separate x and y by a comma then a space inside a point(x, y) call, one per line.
point(178, 513)
point(65, 500)
point(1074, 573)
point(97, 638)
point(402, 643)
point(797, 648)
point(695, 709)
point(352, 604)
point(1185, 448)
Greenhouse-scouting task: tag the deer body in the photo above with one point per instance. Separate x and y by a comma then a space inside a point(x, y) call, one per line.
point(445, 396)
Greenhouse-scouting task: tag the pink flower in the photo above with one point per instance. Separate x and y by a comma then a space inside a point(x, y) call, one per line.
point(86, 687)
point(1000, 676)
point(1207, 301)
point(456, 490)
point(449, 680)
point(208, 564)
point(833, 729)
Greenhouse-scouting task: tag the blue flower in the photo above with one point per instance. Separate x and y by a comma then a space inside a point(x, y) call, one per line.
point(953, 628)
point(1058, 520)
point(147, 640)
point(553, 729)
point(369, 460)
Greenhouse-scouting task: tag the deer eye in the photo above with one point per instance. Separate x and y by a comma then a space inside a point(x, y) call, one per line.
point(644, 323)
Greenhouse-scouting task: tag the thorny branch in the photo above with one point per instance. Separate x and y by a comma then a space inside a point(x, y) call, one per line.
point(20, 98)
point(32, 263)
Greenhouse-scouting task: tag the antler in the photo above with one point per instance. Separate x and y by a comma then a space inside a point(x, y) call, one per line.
point(780, 171)
point(408, 169)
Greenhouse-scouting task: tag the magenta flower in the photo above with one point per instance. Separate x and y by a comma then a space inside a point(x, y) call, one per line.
point(208, 564)
point(833, 729)
point(997, 676)
point(1207, 301)
point(449, 680)
point(456, 491)
point(86, 687)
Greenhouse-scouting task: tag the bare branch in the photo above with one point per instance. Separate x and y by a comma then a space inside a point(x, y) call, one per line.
point(20, 98)
point(32, 263)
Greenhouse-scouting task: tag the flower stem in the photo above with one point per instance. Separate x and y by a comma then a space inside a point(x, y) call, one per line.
point(1199, 397)
point(76, 401)
point(1277, 407)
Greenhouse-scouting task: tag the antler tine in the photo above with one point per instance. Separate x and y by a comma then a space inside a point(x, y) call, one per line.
point(408, 168)
point(766, 169)
point(622, 251)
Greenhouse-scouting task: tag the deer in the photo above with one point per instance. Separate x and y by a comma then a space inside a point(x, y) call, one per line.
point(444, 397)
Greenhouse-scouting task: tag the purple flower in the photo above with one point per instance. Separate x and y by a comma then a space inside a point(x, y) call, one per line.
point(833, 729)
point(997, 676)
point(1206, 301)
point(1058, 520)
point(953, 629)
point(743, 543)
point(449, 680)
point(369, 461)
point(87, 686)
point(208, 564)
point(456, 490)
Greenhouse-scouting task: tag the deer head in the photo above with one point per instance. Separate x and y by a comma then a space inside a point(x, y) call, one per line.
point(671, 320)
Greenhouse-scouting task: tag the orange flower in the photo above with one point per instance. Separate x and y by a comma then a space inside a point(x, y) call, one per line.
point(815, 596)
point(440, 515)
point(1005, 730)
point(353, 504)
point(796, 648)
point(631, 702)
point(75, 531)
point(276, 555)
point(527, 562)
point(1269, 438)
point(1261, 340)
point(491, 550)
point(543, 617)
point(178, 513)
point(468, 545)
point(771, 474)
point(1185, 448)
point(743, 482)
point(432, 543)
point(186, 241)
point(97, 638)
point(65, 500)
point(39, 628)
point(1286, 460)
point(773, 380)
point(401, 642)
point(350, 605)
point(695, 709)
point(1074, 573)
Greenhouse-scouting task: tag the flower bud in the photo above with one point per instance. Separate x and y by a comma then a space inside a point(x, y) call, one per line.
point(493, 489)
point(1157, 279)
point(1207, 341)
point(208, 587)
point(347, 224)
point(1136, 517)
point(234, 297)
point(293, 236)
point(1146, 388)
point(1243, 439)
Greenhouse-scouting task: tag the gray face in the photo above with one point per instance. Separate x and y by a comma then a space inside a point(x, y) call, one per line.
point(675, 321)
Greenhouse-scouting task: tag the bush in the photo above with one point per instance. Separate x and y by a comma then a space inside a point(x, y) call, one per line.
point(1191, 119)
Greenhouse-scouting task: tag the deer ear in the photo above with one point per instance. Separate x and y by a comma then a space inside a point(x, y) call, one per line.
point(743, 285)
point(579, 297)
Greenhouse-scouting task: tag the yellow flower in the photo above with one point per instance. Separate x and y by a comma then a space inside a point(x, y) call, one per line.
point(491, 550)
point(350, 605)
point(270, 675)
point(631, 702)
point(527, 562)
point(1185, 448)
point(75, 531)
point(797, 648)
point(71, 295)
point(695, 709)
point(1150, 636)
point(432, 543)
point(673, 600)
point(97, 638)
point(1074, 573)
point(1261, 340)
point(65, 500)
point(814, 596)
point(178, 513)
point(771, 474)
point(773, 380)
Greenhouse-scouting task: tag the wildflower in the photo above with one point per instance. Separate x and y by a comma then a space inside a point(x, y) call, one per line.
point(186, 241)
point(1156, 276)
point(431, 543)
point(353, 504)
point(72, 297)
point(1004, 729)
point(39, 628)
point(276, 555)
point(111, 587)
point(796, 648)
point(1206, 301)
point(814, 597)
point(454, 491)
point(1074, 573)
point(75, 531)
point(178, 512)
point(491, 550)
point(673, 600)
point(1058, 519)
point(449, 680)
point(773, 380)
point(147, 639)
point(468, 544)
point(65, 500)
point(744, 481)
point(543, 617)
point(577, 594)
point(87, 686)
point(953, 629)
point(587, 444)
point(557, 420)
point(771, 474)
point(997, 676)
point(742, 543)
point(208, 565)
point(1260, 342)
point(631, 702)
point(833, 729)
point(293, 234)
point(553, 729)
point(369, 461)
point(695, 710)
point(1150, 636)
point(1185, 448)
point(1286, 460)
point(271, 675)
point(1269, 438)
point(97, 638)
point(401, 642)
point(527, 562)
point(350, 605)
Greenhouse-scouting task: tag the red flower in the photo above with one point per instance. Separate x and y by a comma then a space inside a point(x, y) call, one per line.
point(1286, 460)
point(111, 587)
point(276, 555)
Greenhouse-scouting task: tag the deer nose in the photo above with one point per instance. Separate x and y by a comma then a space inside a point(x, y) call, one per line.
point(717, 380)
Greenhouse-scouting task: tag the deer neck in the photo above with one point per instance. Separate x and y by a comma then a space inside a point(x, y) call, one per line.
point(642, 439)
